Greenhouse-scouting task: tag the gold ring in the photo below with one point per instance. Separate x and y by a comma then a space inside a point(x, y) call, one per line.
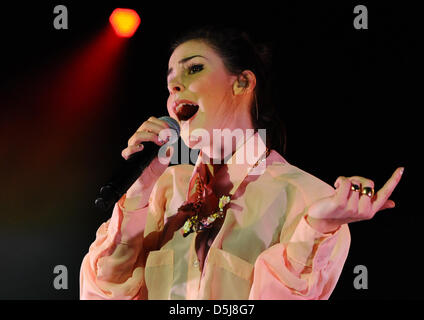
point(368, 191)
point(355, 187)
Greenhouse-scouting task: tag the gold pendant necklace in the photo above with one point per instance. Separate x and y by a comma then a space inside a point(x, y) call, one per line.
point(194, 223)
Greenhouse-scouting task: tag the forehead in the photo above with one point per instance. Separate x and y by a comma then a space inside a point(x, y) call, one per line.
point(190, 48)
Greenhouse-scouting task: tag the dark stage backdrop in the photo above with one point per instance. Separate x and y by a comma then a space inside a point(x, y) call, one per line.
point(347, 96)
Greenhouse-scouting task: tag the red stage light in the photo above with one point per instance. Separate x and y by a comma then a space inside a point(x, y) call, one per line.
point(124, 21)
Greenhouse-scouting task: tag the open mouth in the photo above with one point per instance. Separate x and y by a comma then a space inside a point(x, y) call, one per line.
point(186, 111)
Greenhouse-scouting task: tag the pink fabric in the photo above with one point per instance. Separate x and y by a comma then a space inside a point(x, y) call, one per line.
point(265, 248)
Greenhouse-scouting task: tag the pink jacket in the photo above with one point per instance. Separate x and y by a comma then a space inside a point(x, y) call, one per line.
point(265, 248)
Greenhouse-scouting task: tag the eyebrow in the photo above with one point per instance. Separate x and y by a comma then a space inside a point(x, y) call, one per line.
point(183, 61)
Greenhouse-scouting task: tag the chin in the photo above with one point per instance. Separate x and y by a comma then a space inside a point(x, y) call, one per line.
point(193, 134)
point(192, 140)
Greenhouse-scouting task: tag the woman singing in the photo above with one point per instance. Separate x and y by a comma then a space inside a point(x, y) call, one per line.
point(229, 227)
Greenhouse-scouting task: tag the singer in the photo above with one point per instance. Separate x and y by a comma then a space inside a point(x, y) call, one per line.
point(224, 229)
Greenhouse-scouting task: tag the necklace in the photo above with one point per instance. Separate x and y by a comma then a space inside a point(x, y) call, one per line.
point(197, 224)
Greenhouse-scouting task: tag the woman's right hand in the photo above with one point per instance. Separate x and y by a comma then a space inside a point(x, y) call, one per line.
point(153, 130)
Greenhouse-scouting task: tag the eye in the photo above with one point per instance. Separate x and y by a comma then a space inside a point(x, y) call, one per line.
point(195, 68)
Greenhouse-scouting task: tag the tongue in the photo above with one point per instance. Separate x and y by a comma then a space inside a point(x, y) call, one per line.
point(186, 112)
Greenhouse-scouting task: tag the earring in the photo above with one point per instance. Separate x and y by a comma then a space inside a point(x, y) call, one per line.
point(242, 83)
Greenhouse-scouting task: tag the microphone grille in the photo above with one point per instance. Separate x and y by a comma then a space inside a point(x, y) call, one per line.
point(172, 123)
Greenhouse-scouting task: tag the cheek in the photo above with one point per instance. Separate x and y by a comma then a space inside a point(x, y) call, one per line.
point(211, 89)
point(169, 107)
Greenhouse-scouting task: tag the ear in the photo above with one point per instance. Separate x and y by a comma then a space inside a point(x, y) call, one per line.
point(244, 83)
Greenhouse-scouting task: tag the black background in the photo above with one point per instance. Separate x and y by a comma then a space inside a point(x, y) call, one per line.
point(348, 98)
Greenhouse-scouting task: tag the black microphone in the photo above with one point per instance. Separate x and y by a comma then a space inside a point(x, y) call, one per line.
point(132, 168)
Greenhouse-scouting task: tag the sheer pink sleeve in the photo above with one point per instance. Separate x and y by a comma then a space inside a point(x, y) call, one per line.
point(305, 264)
point(114, 266)
point(307, 268)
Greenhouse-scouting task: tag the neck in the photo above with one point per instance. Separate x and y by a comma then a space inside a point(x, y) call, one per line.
point(225, 142)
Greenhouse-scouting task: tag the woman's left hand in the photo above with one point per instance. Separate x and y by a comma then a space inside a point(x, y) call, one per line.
point(347, 205)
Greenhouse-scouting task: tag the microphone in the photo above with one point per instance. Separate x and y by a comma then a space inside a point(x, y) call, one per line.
point(132, 168)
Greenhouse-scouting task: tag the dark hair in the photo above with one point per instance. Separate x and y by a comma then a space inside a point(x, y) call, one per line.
point(239, 52)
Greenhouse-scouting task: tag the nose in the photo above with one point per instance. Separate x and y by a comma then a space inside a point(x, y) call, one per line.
point(175, 86)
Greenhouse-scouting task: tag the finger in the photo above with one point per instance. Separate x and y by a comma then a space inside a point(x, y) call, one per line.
point(156, 121)
point(151, 127)
point(385, 192)
point(342, 185)
point(363, 181)
point(159, 122)
point(161, 127)
point(164, 133)
point(365, 206)
point(365, 203)
point(142, 136)
point(389, 204)
point(353, 199)
point(130, 150)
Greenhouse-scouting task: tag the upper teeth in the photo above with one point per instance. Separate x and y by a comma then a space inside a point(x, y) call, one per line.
point(181, 105)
